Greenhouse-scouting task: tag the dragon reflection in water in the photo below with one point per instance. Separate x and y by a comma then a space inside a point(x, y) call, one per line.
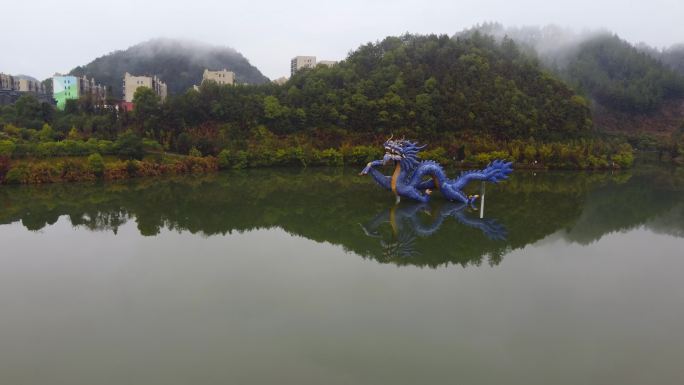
point(407, 225)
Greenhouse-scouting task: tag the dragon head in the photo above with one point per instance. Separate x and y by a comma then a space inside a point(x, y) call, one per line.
point(403, 151)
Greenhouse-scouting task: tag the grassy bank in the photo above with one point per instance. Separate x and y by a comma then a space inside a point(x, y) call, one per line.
point(35, 170)
point(94, 167)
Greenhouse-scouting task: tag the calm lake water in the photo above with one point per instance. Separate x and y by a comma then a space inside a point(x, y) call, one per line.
point(315, 277)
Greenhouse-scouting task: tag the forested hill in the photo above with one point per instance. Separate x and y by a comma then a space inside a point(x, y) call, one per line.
point(673, 57)
point(178, 63)
point(607, 69)
point(432, 84)
point(620, 77)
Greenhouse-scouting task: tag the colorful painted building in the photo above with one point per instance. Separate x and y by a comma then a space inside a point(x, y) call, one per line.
point(64, 87)
point(68, 87)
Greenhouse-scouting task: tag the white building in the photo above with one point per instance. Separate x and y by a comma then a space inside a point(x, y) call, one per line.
point(299, 62)
point(132, 83)
point(223, 77)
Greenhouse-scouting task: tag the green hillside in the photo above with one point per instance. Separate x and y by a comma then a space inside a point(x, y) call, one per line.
point(419, 85)
point(178, 63)
point(619, 76)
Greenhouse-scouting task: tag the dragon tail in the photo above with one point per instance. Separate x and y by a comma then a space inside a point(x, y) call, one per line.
point(495, 172)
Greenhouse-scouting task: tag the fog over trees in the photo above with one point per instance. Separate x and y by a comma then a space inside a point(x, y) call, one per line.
point(607, 69)
point(179, 63)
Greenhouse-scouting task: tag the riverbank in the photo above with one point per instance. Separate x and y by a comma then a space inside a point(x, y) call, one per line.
point(45, 156)
point(96, 167)
point(33, 170)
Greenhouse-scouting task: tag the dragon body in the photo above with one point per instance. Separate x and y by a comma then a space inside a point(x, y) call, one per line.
point(416, 179)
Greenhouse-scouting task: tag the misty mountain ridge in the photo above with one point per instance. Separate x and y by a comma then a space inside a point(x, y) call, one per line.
point(618, 76)
point(27, 77)
point(555, 45)
point(179, 63)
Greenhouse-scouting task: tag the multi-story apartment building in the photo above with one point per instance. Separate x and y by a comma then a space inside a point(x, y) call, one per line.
point(223, 77)
point(12, 87)
point(299, 62)
point(6, 82)
point(69, 87)
point(131, 83)
point(30, 85)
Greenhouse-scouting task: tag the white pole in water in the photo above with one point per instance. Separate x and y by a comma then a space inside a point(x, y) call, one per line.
point(482, 197)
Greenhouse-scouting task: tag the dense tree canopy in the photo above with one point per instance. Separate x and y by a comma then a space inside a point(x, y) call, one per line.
point(421, 85)
point(472, 97)
point(620, 77)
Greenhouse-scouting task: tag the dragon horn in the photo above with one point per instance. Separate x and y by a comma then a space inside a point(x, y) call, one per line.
point(390, 138)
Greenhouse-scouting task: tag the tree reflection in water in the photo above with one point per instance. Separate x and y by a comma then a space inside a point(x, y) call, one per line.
point(327, 205)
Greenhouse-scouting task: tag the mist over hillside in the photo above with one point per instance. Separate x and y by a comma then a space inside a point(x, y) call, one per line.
point(673, 56)
point(179, 63)
point(552, 44)
point(615, 74)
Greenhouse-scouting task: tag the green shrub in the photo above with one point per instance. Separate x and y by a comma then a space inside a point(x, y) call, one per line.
point(129, 145)
point(43, 172)
point(152, 145)
point(282, 157)
point(75, 147)
point(331, 157)
point(96, 164)
point(195, 152)
point(75, 170)
point(438, 154)
point(240, 159)
point(105, 147)
point(132, 167)
point(224, 159)
point(17, 174)
point(625, 156)
point(299, 155)
point(47, 134)
point(530, 153)
point(487, 157)
point(7, 148)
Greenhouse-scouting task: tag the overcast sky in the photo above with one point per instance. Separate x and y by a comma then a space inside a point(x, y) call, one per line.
point(41, 37)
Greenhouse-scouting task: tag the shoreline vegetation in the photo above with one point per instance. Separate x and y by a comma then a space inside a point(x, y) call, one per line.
point(471, 99)
point(33, 157)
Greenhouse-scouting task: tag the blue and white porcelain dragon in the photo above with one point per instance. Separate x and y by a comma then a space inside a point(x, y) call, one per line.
point(416, 179)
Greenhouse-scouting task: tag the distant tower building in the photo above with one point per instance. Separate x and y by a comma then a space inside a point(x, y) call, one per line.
point(132, 83)
point(299, 62)
point(224, 77)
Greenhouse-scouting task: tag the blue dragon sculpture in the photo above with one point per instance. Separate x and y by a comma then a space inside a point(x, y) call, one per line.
point(416, 179)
